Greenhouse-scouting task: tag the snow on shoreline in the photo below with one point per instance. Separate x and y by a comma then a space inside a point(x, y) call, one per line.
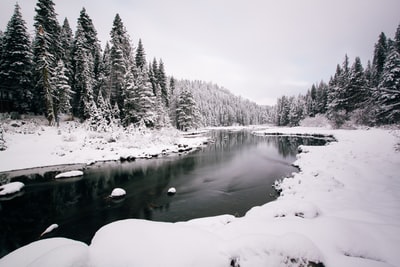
point(31, 145)
point(342, 209)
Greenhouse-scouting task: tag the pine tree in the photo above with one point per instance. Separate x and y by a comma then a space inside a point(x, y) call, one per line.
point(83, 76)
point(104, 74)
point(131, 103)
point(140, 58)
point(162, 82)
point(44, 73)
point(145, 99)
point(282, 111)
point(153, 69)
point(47, 38)
point(187, 114)
point(92, 44)
point(62, 91)
point(357, 91)
point(104, 109)
point(397, 39)
point(46, 18)
point(321, 97)
point(67, 41)
point(378, 62)
point(389, 88)
point(122, 61)
point(16, 62)
point(1, 43)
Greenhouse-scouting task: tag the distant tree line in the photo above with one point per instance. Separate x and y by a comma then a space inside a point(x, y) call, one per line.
point(61, 72)
point(219, 107)
point(368, 96)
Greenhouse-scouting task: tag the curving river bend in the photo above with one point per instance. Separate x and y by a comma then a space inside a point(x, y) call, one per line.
point(229, 176)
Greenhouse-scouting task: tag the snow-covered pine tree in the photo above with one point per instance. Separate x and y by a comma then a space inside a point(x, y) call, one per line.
point(162, 82)
point(62, 91)
point(1, 42)
point(86, 53)
point(145, 99)
point(67, 41)
point(153, 75)
point(46, 17)
point(357, 91)
point(131, 103)
point(104, 109)
point(140, 58)
point(44, 73)
point(378, 61)
point(296, 111)
point(389, 88)
point(397, 39)
point(187, 114)
point(16, 62)
point(321, 97)
point(122, 61)
point(45, 21)
point(92, 44)
point(104, 74)
point(83, 76)
point(282, 111)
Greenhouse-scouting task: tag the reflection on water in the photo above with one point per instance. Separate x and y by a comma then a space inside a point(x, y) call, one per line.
point(231, 175)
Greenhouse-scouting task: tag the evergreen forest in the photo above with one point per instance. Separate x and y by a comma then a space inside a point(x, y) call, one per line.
point(59, 71)
point(354, 94)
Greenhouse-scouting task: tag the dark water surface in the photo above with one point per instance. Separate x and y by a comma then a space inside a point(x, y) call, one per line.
point(227, 177)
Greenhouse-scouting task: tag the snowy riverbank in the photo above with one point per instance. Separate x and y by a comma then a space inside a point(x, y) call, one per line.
point(342, 209)
point(31, 144)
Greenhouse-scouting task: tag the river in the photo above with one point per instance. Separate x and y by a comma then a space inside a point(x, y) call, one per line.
point(230, 175)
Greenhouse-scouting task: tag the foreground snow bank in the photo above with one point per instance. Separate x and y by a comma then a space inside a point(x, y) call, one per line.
point(32, 144)
point(60, 252)
point(341, 209)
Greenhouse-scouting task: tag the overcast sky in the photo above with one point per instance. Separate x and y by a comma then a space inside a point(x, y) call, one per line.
point(259, 49)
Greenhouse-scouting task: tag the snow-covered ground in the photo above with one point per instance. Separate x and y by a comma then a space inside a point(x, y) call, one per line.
point(342, 209)
point(31, 143)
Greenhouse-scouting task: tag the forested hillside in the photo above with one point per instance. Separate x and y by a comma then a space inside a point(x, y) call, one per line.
point(367, 96)
point(219, 107)
point(61, 71)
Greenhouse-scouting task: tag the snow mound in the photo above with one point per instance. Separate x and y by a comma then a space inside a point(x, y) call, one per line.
point(285, 208)
point(69, 174)
point(60, 252)
point(118, 192)
point(171, 191)
point(144, 243)
point(11, 188)
point(290, 249)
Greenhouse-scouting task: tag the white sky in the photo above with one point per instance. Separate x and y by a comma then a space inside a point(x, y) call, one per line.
point(259, 49)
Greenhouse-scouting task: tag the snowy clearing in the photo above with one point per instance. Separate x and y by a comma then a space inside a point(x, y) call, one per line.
point(342, 209)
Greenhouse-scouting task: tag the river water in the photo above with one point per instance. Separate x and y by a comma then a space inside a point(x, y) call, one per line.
point(229, 176)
